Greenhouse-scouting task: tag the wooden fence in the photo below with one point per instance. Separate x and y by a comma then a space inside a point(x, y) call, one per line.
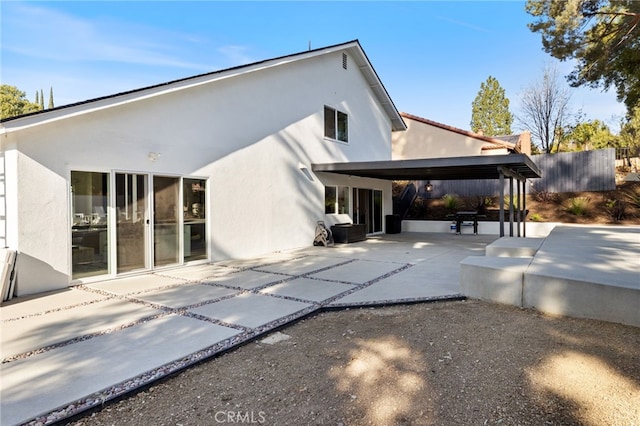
point(563, 172)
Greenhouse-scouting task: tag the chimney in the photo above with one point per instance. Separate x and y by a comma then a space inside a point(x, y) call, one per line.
point(525, 142)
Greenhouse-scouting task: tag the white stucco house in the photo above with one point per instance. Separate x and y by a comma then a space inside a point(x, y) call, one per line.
point(201, 169)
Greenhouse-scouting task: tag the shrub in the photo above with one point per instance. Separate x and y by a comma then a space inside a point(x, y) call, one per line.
point(418, 209)
point(507, 204)
point(480, 204)
point(616, 209)
point(451, 201)
point(544, 196)
point(578, 205)
point(535, 218)
point(632, 195)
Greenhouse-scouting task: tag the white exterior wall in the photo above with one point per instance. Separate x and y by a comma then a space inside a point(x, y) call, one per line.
point(3, 198)
point(422, 140)
point(250, 135)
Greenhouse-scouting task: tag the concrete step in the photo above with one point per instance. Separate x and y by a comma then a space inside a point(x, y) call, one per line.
point(514, 247)
point(584, 272)
point(495, 279)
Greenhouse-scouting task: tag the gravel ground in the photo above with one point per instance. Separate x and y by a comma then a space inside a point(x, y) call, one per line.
point(449, 363)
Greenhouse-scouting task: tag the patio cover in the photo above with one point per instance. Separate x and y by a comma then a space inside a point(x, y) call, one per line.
point(515, 166)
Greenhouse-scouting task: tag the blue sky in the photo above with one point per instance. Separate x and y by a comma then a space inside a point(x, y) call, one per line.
point(431, 56)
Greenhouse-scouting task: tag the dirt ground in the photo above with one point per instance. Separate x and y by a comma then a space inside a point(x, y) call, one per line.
point(447, 363)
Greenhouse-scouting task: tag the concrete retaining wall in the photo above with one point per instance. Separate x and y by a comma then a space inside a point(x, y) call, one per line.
point(534, 229)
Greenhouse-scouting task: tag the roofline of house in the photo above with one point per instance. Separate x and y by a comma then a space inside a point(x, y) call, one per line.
point(497, 142)
point(82, 107)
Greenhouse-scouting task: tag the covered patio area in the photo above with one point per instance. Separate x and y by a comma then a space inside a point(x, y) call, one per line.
point(518, 167)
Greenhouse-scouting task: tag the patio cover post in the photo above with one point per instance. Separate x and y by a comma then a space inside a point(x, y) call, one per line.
point(519, 215)
point(501, 201)
point(511, 209)
point(520, 178)
point(524, 208)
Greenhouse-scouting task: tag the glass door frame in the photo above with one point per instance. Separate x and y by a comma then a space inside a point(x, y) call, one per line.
point(108, 213)
point(179, 224)
point(365, 208)
point(113, 207)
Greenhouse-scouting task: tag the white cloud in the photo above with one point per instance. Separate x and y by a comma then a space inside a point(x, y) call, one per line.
point(87, 58)
point(236, 54)
point(46, 34)
point(463, 24)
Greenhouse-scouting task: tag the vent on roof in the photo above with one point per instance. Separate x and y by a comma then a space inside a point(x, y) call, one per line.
point(344, 61)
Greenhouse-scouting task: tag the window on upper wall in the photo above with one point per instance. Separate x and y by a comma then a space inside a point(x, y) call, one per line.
point(336, 200)
point(336, 124)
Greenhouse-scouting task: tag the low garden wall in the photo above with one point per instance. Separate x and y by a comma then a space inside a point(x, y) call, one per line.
point(534, 229)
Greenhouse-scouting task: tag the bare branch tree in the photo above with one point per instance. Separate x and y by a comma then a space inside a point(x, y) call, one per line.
point(545, 110)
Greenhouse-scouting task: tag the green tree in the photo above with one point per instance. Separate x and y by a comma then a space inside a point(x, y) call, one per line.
point(630, 131)
point(50, 98)
point(37, 101)
point(14, 102)
point(588, 135)
point(41, 100)
point(490, 110)
point(602, 36)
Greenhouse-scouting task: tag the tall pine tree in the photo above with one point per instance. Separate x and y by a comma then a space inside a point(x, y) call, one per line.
point(41, 99)
point(50, 98)
point(490, 110)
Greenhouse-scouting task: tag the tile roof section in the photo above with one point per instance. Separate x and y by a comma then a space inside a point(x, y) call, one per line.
point(495, 141)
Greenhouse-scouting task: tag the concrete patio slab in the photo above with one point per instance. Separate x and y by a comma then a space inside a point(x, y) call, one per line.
point(186, 295)
point(606, 254)
point(514, 247)
point(44, 302)
point(245, 279)
point(250, 310)
point(258, 261)
point(49, 380)
point(135, 284)
point(143, 343)
point(307, 289)
point(422, 281)
point(591, 272)
point(358, 271)
point(43, 330)
point(579, 271)
point(198, 273)
point(302, 265)
point(409, 247)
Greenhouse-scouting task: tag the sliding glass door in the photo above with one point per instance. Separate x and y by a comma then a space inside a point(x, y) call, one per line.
point(157, 221)
point(132, 222)
point(367, 206)
point(194, 211)
point(166, 238)
point(90, 227)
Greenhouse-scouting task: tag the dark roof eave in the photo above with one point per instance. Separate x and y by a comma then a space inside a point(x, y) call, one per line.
point(397, 122)
point(450, 168)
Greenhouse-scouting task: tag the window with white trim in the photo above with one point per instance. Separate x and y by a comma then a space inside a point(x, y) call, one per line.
point(336, 124)
point(336, 200)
